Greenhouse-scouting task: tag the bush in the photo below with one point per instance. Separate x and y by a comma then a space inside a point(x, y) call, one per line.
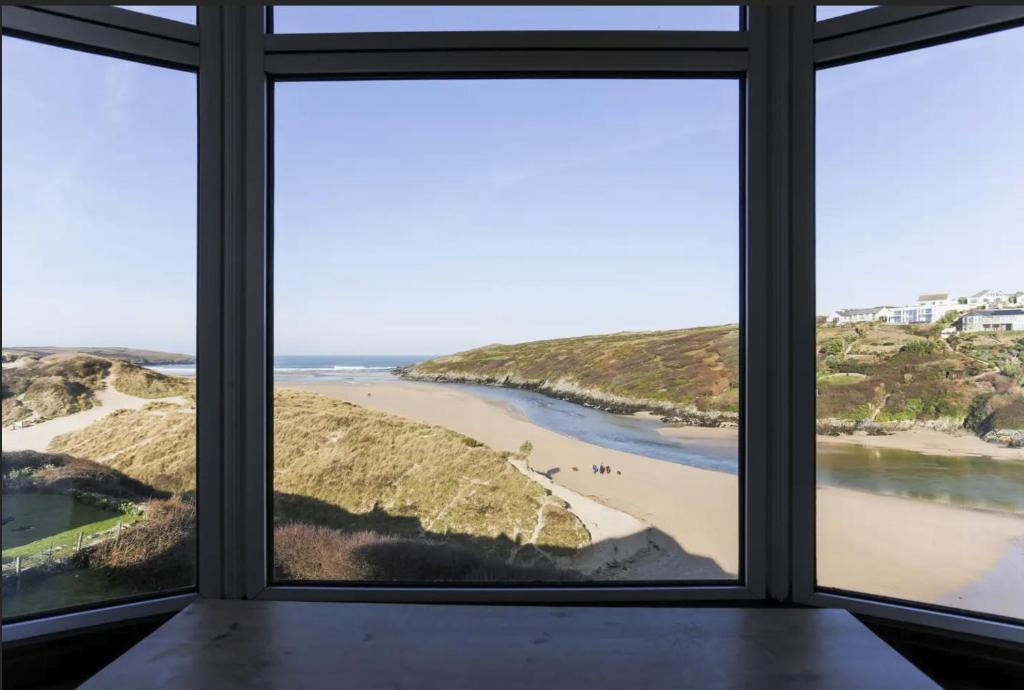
point(920, 347)
point(307, 552)
point(157, 553)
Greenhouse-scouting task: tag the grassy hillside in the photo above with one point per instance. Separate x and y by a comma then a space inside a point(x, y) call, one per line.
point(128, 354)
point(899, 375)
point(155, 444)
point(892, 376)
point(346, 467)
point(146, 383)
point(689, 373)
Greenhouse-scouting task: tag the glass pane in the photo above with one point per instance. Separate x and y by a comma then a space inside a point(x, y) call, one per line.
point(179, 13)
point(830, 11)
point(921, 327)
point(99, 289)
point(366, 18)
point(506, 330)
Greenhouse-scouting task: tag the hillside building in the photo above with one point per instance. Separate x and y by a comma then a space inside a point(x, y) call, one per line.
point(991, 320)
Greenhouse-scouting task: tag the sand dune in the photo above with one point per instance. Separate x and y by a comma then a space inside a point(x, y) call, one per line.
point(37, 437)
point(869, 543)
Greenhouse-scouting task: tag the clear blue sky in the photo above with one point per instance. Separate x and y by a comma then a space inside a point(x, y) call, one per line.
point(432, 216)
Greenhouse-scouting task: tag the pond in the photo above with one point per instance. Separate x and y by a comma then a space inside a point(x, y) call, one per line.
point(29, 517)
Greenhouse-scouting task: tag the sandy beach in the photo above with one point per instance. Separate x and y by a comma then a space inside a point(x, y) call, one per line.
point(869, 543)
point(928, 441)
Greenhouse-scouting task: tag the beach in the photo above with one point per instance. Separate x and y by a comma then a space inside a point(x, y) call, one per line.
point(928, 441)
point(870, 543)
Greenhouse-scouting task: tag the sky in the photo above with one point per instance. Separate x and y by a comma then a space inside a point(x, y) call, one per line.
point(435, 216)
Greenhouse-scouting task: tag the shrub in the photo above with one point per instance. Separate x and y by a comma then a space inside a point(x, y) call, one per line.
point(307, 552)
point(157, 553)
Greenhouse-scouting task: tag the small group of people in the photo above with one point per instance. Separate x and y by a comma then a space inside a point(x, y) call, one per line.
point(602, 469)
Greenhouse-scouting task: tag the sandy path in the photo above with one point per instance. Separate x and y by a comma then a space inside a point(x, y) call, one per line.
point(868, 543)
point(38, 436)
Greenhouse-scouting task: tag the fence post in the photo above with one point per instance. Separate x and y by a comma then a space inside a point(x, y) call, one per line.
point(79, 547)
point(17, 565)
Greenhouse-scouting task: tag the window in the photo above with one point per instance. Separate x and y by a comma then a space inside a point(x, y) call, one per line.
point(506, 331)
point(99, 295)
point(920, 485)
point(179, 13)
point(358, 18)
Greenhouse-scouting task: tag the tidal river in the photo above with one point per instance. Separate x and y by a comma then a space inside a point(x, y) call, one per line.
point(976, 482)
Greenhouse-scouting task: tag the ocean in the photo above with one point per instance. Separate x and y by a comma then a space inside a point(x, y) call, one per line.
point(349, 368)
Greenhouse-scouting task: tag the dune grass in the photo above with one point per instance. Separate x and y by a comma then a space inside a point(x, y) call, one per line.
point(146, 383)
point(155, 445)
point(349, 466)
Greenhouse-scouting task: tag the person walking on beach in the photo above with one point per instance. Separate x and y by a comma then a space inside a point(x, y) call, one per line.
point(595, 468)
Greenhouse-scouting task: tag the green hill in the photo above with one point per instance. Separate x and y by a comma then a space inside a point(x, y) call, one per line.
point(690, 374)
point(887, 375)
point(899, 376)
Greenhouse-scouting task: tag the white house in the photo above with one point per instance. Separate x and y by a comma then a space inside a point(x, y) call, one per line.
point(842, 316)
point(993, 298)
point(991, 320)
point(930, 308)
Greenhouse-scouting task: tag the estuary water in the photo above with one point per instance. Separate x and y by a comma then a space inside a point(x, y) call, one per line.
point(970, 481)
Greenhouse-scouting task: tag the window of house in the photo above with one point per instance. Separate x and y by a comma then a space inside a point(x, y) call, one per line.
point(920, 482)
point(370, 18)
point(99, 329)
point(506, 331)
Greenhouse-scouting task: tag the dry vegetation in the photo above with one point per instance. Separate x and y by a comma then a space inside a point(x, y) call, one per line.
point(156, 555)
point(346, 467)
point(146, 383)
point(155, 444)
point(691, 373)
point(54, 386)
point(307, 552)
point(408, 478)
point(27, 471)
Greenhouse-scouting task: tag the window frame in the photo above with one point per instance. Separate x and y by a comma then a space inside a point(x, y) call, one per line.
point(126, 35)
point(862, 36)
point(523, 54)
point(775, 54)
